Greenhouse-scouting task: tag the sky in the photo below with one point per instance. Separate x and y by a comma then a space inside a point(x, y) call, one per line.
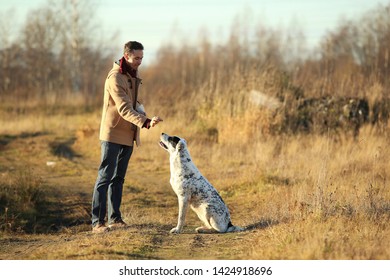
point(156, 22)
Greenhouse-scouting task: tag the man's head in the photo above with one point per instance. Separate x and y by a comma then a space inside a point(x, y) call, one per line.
point(134, 53)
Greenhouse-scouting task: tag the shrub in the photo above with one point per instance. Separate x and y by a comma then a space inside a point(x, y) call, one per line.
point(20, 196)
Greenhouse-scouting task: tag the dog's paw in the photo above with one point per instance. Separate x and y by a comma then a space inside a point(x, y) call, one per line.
point(205, 230)
point(200, 230)
point(175, 230)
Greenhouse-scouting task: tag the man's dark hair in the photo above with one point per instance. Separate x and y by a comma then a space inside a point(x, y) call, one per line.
point(132, 46)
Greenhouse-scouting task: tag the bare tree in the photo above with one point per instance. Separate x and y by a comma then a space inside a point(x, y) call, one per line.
point(39, 40)
point(6, 54)
point(56, 52)
point(77, 27)
point(365, 42)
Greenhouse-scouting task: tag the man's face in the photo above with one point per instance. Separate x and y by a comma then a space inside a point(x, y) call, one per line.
point(134, 59)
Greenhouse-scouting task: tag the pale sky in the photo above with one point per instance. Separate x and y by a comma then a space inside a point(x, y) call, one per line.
point(154, 22)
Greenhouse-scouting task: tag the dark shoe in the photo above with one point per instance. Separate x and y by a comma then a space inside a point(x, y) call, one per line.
point(118, 224)
point(100, 228)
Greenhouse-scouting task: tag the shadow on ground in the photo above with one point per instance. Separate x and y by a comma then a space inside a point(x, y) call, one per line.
point(262, 224)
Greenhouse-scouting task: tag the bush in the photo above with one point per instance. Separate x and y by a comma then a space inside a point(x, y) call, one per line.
point(19, 199)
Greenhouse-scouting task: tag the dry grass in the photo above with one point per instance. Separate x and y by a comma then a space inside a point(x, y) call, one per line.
point(300, 197)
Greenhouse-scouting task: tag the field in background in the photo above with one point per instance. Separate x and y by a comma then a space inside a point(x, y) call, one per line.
point(300, 196)
point(296, 141)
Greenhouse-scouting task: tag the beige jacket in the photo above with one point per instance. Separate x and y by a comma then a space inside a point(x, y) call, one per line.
point(120, 122)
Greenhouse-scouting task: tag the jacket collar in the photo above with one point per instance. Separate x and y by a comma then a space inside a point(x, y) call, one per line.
point(124, 68)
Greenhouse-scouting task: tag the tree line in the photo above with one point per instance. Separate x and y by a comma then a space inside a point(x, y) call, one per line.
point(350, 66)
point(57, 54)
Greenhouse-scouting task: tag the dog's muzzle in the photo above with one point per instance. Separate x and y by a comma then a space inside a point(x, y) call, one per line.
point(162, 145)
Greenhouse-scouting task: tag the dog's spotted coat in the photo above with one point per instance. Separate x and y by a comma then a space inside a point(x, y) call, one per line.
point(192, 189)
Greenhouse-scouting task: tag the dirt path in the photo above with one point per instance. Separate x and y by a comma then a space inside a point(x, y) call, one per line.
point(278, 211)
point(61, 229)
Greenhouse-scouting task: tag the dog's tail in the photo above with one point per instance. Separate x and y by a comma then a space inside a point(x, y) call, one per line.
point(232, 228)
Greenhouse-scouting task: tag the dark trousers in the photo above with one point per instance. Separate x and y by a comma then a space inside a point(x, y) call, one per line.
point(109, 184)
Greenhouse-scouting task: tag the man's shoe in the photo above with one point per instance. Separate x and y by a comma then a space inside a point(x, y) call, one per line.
point(118, 224)
point(100, 228)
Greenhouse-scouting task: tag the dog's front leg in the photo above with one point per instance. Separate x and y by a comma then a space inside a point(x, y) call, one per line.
point(183, 205)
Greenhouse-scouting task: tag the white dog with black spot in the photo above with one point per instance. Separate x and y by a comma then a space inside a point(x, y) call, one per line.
point(193, 189)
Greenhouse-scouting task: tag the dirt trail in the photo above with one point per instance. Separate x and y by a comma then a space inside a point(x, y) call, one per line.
point(65, 204)
point(61, 229)
point(63, 219)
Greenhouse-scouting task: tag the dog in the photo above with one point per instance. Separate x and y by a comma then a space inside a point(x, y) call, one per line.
point(194, 190)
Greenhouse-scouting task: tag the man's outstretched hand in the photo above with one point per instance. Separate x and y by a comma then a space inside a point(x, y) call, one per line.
point(155, 121)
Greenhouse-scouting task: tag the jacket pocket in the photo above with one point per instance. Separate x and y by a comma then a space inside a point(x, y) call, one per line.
point(112, 119)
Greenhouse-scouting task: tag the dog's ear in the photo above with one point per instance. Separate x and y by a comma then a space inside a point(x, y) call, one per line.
point(181, 145)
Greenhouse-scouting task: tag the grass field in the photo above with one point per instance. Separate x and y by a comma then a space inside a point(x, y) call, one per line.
point(299, 197)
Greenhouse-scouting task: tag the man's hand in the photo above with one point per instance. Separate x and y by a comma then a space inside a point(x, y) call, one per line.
point(155, 120)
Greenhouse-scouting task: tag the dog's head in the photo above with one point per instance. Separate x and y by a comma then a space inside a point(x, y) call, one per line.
point(172, 143)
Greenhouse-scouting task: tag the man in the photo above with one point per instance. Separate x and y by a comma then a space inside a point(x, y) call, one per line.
point(123, 116)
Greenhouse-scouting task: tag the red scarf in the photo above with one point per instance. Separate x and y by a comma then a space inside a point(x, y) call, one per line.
point(125, 68)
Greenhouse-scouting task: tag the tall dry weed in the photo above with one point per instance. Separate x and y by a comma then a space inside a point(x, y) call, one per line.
point(20, 196)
